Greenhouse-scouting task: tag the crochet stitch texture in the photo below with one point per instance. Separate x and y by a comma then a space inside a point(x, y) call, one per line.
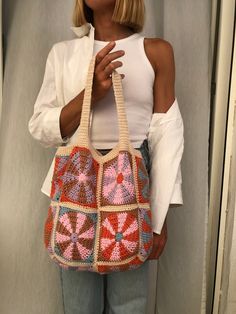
point(99, 218)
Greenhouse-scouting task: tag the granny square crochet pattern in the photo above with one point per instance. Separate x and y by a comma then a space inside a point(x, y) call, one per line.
point(119, 235)
point(103, 234)
point(117, 182)
point(74, 236)
point(79, 179)
point(99, 218)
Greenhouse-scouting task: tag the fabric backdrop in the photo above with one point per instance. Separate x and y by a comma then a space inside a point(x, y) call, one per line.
point(29, 280)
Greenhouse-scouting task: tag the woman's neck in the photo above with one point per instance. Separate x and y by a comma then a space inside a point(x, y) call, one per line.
point(106, 29)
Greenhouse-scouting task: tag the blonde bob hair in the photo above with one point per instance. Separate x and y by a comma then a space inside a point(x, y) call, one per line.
point(126, 12)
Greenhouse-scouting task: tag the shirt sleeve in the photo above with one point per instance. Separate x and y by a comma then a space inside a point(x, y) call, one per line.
point(166, 146)
point(44, 125)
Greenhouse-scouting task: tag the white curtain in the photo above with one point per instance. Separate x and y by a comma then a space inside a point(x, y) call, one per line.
point(29, 280)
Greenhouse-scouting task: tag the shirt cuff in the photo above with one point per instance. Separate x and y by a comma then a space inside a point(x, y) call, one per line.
point(45, 127)
point(52, 127)
point(177, 197)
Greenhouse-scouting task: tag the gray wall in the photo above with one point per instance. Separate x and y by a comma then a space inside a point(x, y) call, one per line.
point(29, 281)
point(180, 278)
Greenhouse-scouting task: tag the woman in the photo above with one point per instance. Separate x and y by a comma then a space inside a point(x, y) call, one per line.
point(148, 74)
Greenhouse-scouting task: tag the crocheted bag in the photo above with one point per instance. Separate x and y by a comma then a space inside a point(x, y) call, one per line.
point(99, 218)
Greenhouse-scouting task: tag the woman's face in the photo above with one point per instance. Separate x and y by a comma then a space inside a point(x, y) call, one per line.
point(96, 5)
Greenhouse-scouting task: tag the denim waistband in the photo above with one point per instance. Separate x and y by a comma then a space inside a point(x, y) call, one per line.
point(144, 151)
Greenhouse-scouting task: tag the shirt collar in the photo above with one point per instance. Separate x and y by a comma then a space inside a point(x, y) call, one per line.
point(85, 29)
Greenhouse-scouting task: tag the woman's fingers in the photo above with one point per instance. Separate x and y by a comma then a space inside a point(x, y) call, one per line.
point(104, 51)
point(108, 58)
point(108, 64)
point(105, 58)
point(104, 66)
point(111, 67)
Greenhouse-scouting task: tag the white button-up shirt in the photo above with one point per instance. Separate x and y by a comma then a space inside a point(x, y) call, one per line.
point(64, 78)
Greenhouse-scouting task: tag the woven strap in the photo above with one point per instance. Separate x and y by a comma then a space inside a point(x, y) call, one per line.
point(83, 134)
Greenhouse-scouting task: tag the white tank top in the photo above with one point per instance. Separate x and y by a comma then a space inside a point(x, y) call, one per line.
point(138, 96)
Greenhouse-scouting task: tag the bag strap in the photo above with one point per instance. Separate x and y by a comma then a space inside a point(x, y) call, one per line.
point(83, 134)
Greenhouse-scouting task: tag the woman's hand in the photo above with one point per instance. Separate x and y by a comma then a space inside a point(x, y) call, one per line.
point(104, 67)
point(159, 242)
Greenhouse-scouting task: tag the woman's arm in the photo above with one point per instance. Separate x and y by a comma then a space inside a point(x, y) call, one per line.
point(70, 115)
point(52, 124)
point(161, 56)
point(165, 136)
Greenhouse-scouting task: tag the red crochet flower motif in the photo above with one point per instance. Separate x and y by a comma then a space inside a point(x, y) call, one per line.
point(119, 236)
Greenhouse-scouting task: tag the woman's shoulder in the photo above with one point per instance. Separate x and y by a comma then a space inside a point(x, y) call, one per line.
point(158, 50)
point(158, 44)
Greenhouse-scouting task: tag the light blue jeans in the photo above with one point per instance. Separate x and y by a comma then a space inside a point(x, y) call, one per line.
point(124, 292)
